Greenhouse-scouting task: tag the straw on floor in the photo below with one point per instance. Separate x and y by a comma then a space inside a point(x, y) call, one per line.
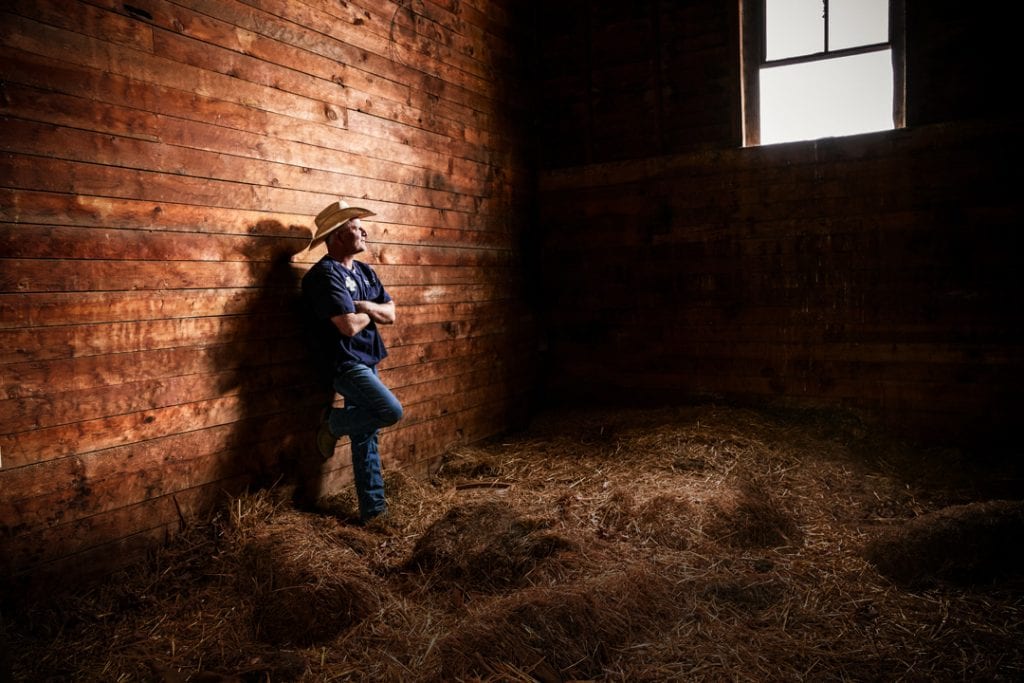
point(703, 543)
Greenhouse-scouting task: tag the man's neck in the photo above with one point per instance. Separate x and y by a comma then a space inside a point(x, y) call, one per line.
point(344, 259)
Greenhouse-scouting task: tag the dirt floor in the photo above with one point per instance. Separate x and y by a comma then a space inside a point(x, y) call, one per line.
point(694, 544)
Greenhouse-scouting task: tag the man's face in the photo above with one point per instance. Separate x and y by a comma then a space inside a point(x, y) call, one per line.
point(350, 238)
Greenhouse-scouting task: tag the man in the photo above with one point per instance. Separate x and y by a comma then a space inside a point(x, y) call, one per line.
point(347, 302)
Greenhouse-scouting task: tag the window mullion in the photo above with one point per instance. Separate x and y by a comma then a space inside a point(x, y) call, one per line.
point(834, 54)
point(824, 16)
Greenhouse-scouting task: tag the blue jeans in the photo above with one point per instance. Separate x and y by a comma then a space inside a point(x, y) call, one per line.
point(369, 405)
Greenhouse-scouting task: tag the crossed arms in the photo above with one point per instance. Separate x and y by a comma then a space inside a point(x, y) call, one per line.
point(350, 324)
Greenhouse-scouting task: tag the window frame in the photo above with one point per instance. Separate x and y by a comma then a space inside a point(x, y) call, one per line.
point(752, 59)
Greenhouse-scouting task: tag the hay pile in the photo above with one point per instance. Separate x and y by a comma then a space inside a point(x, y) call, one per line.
point(966, 544)
point(487, 546)
point(307, 582)
point(692, 544)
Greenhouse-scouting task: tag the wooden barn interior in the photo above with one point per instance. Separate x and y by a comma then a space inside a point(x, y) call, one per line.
point(569, 212)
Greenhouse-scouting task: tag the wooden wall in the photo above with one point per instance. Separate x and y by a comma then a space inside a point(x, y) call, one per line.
point(161, 164)
point(630, 80)
point(877, 271)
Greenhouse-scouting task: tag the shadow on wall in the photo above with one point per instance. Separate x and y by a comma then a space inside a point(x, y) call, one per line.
point(269, 370)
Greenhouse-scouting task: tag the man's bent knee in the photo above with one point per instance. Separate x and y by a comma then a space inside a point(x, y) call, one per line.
point(391, 415)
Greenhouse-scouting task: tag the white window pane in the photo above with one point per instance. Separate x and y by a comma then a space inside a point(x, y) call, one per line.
point(793, 28)
point(826, 98)
point(857, 22)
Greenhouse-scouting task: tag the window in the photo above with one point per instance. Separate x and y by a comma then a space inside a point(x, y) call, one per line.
point(820, 68)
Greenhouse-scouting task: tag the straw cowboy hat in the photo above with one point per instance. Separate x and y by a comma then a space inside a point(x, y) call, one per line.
point(333, 217)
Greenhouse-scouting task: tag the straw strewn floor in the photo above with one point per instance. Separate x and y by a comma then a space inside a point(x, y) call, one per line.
point(692, 544)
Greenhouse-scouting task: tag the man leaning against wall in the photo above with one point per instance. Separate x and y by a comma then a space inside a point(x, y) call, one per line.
point(346, 303)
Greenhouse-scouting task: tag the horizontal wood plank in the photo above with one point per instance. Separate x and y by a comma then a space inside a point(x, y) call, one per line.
point(80, 308)
point(146, 106)
point(59, 175)
point(226, 377)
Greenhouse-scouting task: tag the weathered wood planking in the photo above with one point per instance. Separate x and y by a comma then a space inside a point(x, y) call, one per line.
point(413, 340)
point(142, 470)
point(157, 185)
point(670, 85)
point(55, 342)
point(870, 271)
point(107, 541)
point(63, 308)
point(154, 111)
point(26, 243)
point(150, 77)
point(68, 530)
point(281, 38)
point(58, 175)
point(157, 156)
point(31, 444)
point(263, 230)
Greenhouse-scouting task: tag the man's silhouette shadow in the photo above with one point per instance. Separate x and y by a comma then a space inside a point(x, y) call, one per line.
point(272, 374)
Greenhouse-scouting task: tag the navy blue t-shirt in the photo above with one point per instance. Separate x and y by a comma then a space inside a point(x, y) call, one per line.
point(329, 289)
